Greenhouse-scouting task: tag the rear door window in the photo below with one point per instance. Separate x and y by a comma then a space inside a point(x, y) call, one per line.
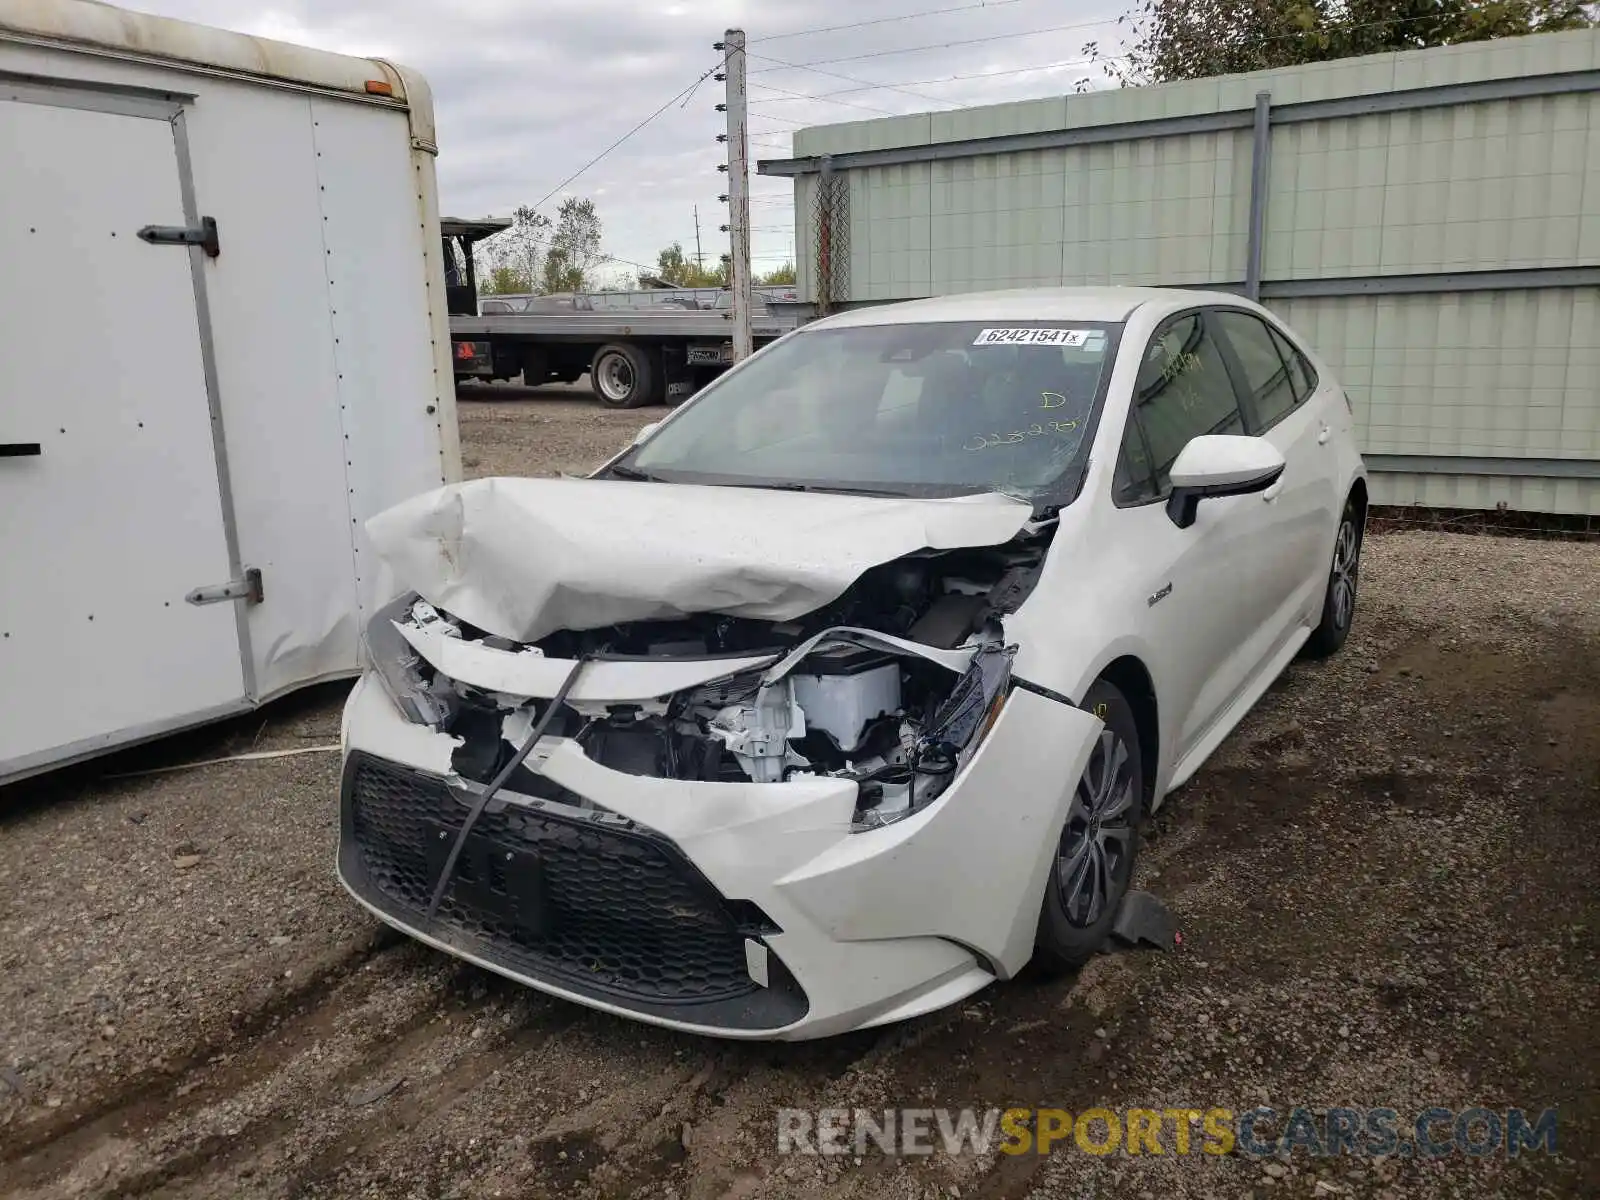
point(1269, 377)
point(1301, 373)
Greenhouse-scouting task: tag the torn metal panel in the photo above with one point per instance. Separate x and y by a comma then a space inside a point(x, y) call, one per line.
point(526, 672)
point(523, 558)
point(953, 660)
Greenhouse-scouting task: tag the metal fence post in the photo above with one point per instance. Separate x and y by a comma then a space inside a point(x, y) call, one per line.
point(1260, 146)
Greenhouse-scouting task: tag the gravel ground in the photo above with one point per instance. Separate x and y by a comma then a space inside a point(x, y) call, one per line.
point(551, 431)
point(1386, 881)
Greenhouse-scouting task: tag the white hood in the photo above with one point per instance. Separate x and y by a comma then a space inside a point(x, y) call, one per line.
point(523, 558)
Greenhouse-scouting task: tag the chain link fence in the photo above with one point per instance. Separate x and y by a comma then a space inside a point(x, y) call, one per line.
point(830, 240)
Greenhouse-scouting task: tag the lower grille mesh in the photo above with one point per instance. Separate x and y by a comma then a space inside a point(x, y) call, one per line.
point(585, 898)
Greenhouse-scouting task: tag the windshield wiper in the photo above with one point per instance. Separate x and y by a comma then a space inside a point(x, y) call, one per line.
point(838, 489)
point(633, 473)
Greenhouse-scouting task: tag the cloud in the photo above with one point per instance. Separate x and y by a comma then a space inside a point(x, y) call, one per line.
point(527, 93)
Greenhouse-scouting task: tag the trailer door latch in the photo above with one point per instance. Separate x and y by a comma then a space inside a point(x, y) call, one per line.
point(203, 235)
point(247, 589)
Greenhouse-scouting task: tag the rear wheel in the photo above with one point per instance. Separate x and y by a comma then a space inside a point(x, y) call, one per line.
point(623, 376)
point(1339, 599)
point(1094, 860)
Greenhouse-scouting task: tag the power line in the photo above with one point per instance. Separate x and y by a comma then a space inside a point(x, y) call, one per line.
point(789, 97)
point(1050, 66)
point(1387, 22)
point(548, 241)
point(784, 64)
point(992, 37)
point(932, 12)
point(683, 95)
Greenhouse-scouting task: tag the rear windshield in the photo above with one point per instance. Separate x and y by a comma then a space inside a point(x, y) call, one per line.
point(933, 409)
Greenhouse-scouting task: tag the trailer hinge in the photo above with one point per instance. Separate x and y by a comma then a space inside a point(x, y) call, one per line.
point(203, 235)
point(247, 589)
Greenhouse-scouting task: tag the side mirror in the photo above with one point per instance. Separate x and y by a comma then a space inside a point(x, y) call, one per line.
point(1220, 464)
point(646, 432)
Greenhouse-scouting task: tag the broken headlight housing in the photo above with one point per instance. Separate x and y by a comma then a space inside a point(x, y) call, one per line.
point(947, 743)
point(402, 671)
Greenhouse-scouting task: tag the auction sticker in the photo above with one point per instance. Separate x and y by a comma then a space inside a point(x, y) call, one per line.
point(1032, 337)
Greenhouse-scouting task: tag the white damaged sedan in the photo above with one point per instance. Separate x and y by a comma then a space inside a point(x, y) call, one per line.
point(842, 693)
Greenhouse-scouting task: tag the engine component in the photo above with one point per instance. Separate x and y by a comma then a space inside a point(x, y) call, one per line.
point(758, 734)
point(949, 620)
point(844, 689)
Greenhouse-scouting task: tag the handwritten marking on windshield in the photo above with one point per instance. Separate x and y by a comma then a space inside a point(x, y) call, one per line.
point(1047, 397)
point(989, 441)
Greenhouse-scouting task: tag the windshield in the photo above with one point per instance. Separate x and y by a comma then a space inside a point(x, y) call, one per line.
point(937, 409)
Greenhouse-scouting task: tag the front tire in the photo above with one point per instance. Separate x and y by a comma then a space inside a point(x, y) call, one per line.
point(1094, 859)
point(1339, 598)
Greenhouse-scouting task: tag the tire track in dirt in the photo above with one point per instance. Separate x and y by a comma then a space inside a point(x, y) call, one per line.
point(217, 1155)
point(273, 1031)
point(419, 1097)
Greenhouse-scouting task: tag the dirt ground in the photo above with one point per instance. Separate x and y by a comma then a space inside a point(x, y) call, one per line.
point(1386, 879)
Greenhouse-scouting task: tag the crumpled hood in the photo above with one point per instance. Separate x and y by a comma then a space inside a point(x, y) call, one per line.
point(522, 558)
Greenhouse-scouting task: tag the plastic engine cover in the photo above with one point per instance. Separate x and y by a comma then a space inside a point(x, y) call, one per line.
point(842, 705)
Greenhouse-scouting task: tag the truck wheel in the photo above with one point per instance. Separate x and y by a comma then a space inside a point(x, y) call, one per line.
point(623, 376)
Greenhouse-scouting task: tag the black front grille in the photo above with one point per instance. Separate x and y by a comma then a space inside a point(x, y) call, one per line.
point(578, 897)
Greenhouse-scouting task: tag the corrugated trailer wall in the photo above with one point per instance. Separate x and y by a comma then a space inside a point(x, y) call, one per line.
point(1431, 220)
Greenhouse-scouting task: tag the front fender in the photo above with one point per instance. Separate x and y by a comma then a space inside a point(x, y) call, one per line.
point(972, 867)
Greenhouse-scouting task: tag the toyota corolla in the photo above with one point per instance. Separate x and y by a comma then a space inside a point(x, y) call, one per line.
point(842, 692)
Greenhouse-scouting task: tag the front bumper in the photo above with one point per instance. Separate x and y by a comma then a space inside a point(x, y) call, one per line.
point(735, 909)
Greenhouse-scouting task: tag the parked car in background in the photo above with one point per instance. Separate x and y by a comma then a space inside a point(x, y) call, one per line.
point(844, 691)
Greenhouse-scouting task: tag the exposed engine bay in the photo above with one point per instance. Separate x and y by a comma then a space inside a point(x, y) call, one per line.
point(891, 685)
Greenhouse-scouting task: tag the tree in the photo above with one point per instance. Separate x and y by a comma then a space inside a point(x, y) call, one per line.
point(574, 246)
point(778, 276)
point(509, 261)
point(674, 267)
point(561, 274)
point(1192, 39)
point(505, 281)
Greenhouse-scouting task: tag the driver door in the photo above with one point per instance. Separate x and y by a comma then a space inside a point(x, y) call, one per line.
point(1202, 592)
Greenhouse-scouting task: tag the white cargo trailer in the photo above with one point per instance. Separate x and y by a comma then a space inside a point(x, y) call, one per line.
point(223, 345)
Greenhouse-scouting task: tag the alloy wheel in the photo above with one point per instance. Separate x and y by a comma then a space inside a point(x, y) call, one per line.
point(1098, 839)
point(1342, 586)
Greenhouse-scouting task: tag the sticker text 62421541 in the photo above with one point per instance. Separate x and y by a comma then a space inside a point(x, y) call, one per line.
point(1031, 337)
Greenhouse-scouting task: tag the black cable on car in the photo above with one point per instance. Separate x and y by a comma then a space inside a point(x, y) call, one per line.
point(488, 793)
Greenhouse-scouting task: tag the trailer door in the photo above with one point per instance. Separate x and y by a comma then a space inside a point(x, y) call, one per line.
point(111, 500)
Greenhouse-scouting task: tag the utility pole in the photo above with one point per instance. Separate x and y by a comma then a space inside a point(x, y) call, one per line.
point(699, 258)
point(738, 168)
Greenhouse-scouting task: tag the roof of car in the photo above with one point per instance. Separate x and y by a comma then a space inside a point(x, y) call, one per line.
point(1025, 304)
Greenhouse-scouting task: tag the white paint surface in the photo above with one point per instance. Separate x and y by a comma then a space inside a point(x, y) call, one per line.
point(522, 558)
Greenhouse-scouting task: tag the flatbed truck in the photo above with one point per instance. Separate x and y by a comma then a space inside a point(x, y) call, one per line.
point(633, 357)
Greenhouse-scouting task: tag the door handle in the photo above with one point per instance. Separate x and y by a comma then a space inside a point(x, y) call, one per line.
point(1322, 438)
point(20, 449)
point(1273, 492)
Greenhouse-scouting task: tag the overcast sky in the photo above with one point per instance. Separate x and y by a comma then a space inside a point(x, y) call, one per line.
point(528, 91)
